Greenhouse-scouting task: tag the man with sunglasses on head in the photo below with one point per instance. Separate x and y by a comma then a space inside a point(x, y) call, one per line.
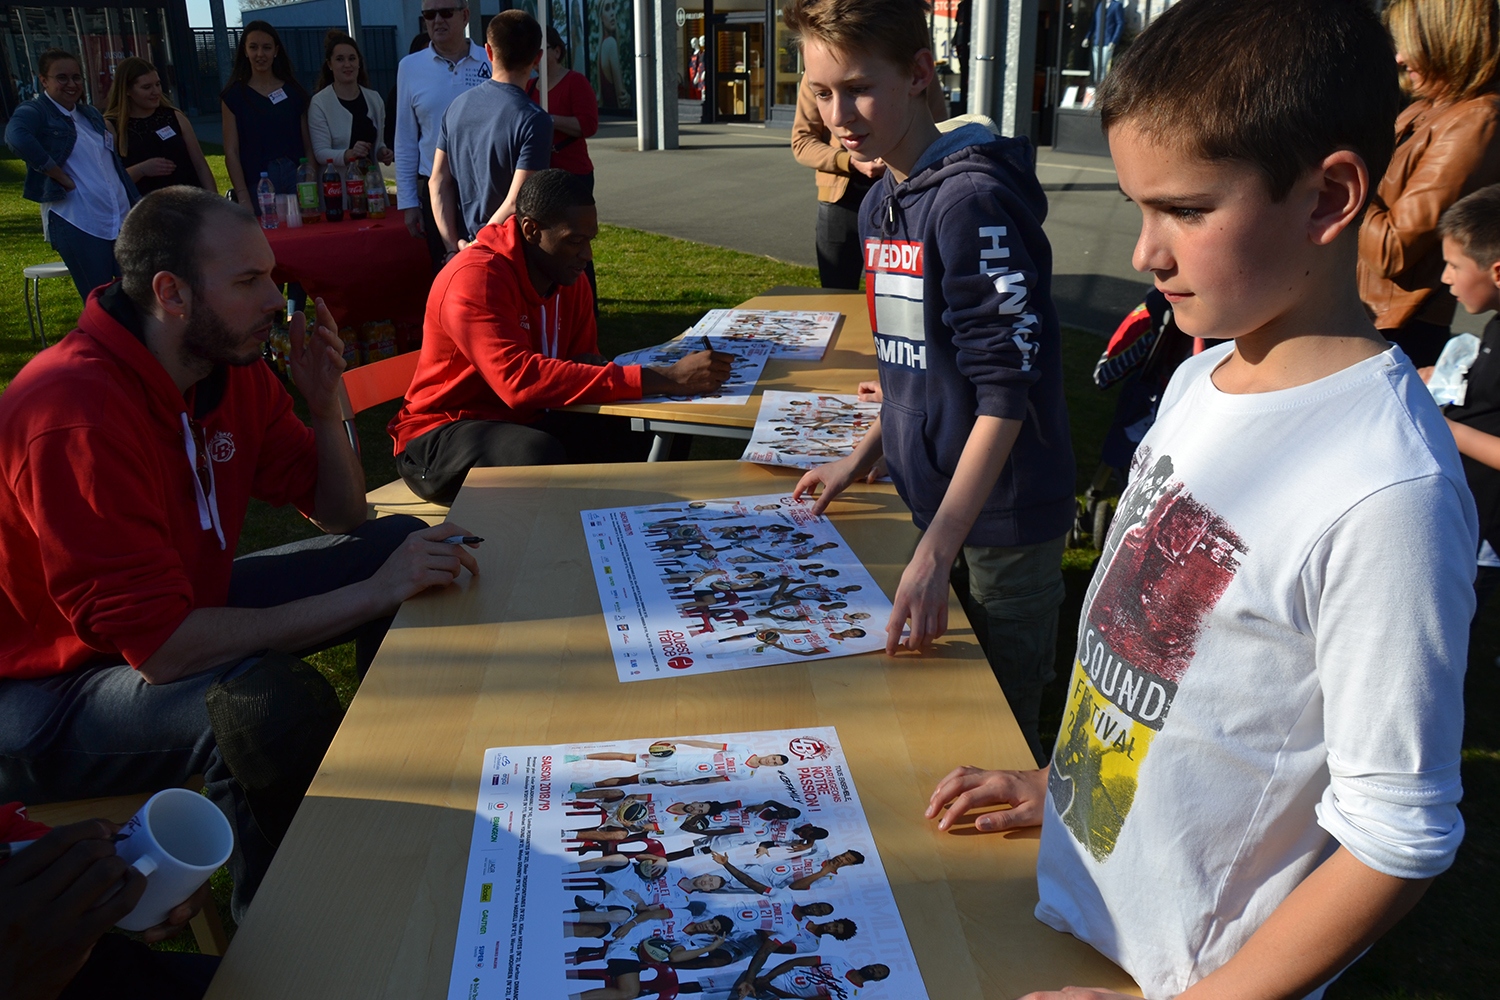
point(427, 81)
point(136, 650)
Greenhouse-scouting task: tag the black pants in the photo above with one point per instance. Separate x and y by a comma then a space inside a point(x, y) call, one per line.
point(435, 464)
point(840, 258)
point(435, 248)
point(1422, 342)
point(124, 969)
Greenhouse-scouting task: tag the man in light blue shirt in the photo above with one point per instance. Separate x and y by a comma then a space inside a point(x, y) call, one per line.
point(427, 81)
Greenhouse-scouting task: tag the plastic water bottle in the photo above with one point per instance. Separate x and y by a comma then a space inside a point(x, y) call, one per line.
point(307, 193)
point(265, 196)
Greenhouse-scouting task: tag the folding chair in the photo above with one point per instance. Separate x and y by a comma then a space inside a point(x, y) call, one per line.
point(370, 385)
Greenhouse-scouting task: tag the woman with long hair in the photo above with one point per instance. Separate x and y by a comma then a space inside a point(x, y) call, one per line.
point(1446, 146)
point(155, 140)
point(346, 119)
point(612, 93)
point(265, 116)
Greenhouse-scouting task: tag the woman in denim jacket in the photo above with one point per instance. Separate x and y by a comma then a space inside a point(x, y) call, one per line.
point(72, 169)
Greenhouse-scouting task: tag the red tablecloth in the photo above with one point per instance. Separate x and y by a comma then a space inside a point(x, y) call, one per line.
point(366, 271)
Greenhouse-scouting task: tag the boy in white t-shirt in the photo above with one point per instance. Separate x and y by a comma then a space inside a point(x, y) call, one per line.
point(1257, 772)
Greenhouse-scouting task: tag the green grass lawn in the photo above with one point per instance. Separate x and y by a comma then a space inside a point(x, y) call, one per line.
point(650, 288)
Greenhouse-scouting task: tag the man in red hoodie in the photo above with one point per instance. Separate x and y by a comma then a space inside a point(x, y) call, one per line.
point(509, 334)
point(128, 456)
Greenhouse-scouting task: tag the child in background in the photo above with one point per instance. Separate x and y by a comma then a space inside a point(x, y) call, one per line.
point(1257, 772)
point(973, 426)
point(1471, 248)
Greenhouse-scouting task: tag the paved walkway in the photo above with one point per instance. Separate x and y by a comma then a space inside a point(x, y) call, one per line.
point(739, 187)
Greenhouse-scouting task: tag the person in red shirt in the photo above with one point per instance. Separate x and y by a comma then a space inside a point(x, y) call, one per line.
point(129, 453)
point(508, 335)
point(574, 111)
point(60, 895)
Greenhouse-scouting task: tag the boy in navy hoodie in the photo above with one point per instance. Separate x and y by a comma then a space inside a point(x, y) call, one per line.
point(973, 428)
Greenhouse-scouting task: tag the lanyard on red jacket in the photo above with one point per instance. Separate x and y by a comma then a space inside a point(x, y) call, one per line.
point(553, 348)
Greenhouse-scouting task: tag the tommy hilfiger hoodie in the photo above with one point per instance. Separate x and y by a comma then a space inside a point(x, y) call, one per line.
point(109, 536)
point(494, 349)
point(958, 275)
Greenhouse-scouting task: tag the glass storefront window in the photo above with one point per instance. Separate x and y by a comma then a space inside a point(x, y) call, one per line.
point(789, 65)
point(101, 36)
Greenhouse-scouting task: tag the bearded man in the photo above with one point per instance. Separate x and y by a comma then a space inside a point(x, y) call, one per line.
point(135, 650)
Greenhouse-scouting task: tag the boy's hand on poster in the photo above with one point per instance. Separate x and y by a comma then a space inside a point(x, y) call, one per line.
point(877, 471)
point(869, 392)
point(921, 598)
point(967, 788)
point(834, 477)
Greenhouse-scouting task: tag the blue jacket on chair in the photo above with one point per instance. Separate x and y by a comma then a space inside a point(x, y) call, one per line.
point(44, 137)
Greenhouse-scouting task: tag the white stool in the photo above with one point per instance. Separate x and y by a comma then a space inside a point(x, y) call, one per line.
point(33, 292)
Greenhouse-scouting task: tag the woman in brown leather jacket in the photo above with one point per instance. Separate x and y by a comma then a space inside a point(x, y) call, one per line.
point(1447, 145)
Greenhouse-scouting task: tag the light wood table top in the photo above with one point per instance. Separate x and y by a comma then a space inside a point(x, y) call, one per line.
point(363, 898)
point(850, 359)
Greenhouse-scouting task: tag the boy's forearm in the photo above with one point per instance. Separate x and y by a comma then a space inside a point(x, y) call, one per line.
point(1476, 444)
point(869, 449)
point(985, 454)
point(1337, 912)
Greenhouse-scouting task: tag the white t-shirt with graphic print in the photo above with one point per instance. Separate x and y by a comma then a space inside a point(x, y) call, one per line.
point(1270, 664)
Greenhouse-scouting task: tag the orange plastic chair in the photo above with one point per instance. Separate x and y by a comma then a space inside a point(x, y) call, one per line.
point(370, 385)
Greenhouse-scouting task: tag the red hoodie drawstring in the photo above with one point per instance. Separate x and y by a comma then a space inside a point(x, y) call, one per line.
point(208, 506)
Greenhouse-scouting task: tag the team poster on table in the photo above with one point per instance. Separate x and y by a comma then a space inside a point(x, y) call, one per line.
point(802, 430)
point(677, 867)
point(701, 586)
point(744, 370)
point(791, 334)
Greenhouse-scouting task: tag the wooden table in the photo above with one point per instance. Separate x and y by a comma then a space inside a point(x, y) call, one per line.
point(850, 359)
point(363, 898)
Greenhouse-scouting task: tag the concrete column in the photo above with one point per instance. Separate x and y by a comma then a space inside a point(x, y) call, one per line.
point(666, 73)
point(544, 12)
point(645, 77)
point(1002, 55)
point(222, 52)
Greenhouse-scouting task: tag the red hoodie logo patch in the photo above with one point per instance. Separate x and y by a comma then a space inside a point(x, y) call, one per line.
point(221, 447)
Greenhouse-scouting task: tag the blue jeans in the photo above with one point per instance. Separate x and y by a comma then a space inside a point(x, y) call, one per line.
point(90, 260)
point(1012, 596)
point(102, 730)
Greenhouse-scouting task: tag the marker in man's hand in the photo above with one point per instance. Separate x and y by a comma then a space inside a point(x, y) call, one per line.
point(463, 539)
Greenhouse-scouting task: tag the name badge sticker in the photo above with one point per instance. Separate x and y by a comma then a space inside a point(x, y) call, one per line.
point(166, 132)
point(276, 96)
point(109, 141)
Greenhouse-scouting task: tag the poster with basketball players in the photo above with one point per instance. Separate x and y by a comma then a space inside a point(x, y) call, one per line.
point(790, 334)
point(702, 586)
point(744, 370)
point(802, 430)
point(706, 866)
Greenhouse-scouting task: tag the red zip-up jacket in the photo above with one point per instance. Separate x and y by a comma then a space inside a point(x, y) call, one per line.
point(493, 349)
point(107, 540)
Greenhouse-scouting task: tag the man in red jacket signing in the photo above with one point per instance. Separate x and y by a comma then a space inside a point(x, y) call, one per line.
point(509, 334)
point(134, 646)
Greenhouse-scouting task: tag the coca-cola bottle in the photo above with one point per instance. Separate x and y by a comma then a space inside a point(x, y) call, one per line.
point(355, 184)
point(333, 193)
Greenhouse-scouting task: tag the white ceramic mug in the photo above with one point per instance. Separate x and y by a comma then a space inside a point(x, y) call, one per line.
point(177, 840)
